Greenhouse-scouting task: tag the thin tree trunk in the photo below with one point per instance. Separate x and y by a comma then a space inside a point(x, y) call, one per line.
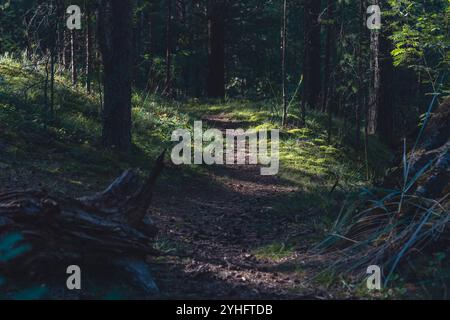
point(374, 100)
point(168, 84)
point(150, 51)
point(63, 51)
point(59, 43)
point(52, 81)
point(366, 145)
point(360, 96)
point(88, 47)
point(47, 59)
point(420, 108)
point(328, 87)
point(283, 62)
point(72, 58)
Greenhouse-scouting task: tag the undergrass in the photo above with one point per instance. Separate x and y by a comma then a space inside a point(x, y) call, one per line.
point(63, 147)
point(305, 151)
point(61, 151)
point(275, 251)
point(323, 171)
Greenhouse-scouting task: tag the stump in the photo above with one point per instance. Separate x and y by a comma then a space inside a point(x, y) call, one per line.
point(111, 229)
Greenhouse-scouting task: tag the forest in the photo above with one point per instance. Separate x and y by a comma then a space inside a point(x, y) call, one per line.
point(219, 149)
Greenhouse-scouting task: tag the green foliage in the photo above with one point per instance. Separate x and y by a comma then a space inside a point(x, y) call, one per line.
point(63, 148)
point(275, 251)
point(420, 33)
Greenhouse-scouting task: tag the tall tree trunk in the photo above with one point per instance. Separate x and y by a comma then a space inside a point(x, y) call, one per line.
point(311, 62)
point(47, 60)
point(1, 50)
point(64, 50)
point(374, 89)
point(380, 116)
point(283, 62)
point(168, 84)
point(150, 73)
point(115, 39)
point(360, 95)
point(88, 47)
point(59, 41)
point(73, 68)
point(96, 57)
point(216, 63)
point(385, 119)
point(328, 86)
point(382, 100)
point(54, 44)
point(52, 80)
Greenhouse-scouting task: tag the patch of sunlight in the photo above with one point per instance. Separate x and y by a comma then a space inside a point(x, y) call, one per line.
point(275, 251)
point(73, 123)
point(267, 126)
point(300, 132)
point(75, 182)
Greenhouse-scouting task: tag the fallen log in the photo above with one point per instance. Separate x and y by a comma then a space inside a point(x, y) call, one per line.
point(111, 229)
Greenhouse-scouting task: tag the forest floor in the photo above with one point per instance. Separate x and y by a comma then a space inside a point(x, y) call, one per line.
point(233, 246)
point(226, 231)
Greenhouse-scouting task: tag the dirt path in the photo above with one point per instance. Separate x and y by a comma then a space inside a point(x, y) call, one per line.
point(216, 221)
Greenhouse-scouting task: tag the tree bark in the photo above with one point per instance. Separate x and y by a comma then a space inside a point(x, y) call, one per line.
point(216, 35)
point(110, 229)
point(386, 112)
point(73, 68)
point(374, 91)
point(283, 62)
point(328, 86)
point(360, 67)
point(52, 80)
point(115, 37)
point(88, 42)
point(168, 84)
point(380, 111)
point(63, 51)
point(312, 60)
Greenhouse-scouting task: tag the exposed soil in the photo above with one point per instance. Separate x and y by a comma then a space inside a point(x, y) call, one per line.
point(219, 219)
point(210, 226)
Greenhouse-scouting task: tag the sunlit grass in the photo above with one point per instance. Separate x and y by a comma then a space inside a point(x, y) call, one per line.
point(275, 251)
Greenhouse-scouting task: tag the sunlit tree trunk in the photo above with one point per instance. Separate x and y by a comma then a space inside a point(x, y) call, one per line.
point(88, 41)
point(73, 68)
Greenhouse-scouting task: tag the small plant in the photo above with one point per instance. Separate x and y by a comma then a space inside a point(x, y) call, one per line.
point(276, 251)
point(382, 226)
